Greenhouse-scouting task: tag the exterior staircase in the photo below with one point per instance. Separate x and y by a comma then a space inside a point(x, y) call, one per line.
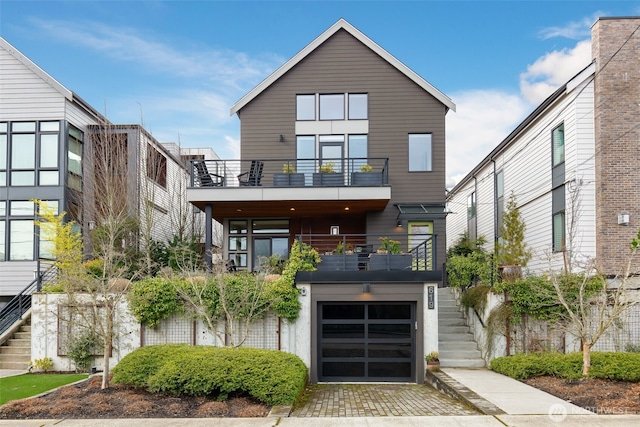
point(457, 347)
point(15, 353)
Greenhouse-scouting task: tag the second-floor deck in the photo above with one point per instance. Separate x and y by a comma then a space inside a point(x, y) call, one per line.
point(289, 187)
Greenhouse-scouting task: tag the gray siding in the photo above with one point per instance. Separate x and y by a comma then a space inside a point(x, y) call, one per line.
point(397, 107)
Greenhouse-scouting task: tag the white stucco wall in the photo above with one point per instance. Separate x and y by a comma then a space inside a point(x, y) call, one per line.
point(430, 320)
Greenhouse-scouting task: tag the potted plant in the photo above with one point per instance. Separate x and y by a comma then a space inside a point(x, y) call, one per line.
point(366, 176)
point(390, 246)
point(289, 177)
point(433, 361)
point(327, 175)
point(389, 256)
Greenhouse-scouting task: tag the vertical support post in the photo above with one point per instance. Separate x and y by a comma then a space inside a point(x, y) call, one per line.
point(208, 239)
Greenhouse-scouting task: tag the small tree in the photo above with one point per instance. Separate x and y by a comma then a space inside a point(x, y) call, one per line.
point(511, 249)
point(595, 310)
point(468, 263)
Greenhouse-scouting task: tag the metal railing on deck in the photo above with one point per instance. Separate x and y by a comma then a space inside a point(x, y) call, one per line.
point(345, 172)
point(348, 252)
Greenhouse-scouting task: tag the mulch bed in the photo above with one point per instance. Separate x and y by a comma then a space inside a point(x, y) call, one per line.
point(88, 400)
point(603, 397)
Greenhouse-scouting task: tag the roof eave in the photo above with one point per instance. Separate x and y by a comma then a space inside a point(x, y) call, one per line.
point(342, 24)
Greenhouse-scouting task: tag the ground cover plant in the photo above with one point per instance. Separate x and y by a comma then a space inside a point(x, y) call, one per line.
point(21, 386)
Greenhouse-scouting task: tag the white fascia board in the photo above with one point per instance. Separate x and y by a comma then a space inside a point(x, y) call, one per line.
point(37, 70)
point(581, 77)
point(342, 24)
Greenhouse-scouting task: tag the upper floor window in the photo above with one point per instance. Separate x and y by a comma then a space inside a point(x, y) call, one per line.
point(471, 205)
point(156, 166)
point(499, 200)
point(420, 156)
point(558, 145)
point(358, 106)
point(74, 159)
point(305, 107)
point(332, 107)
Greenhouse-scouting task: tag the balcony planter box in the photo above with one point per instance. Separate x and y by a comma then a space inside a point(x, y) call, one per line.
point(338, 262)
point(370, 179)
point(328, 179)
point(390, 261)
point(288, 180)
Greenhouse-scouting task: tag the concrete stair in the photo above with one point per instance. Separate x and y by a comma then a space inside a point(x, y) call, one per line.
point(456, 344)
point(16, 352)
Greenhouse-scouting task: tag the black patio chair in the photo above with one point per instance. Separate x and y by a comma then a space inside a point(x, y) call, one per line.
point(253, 176)
point(206, 178)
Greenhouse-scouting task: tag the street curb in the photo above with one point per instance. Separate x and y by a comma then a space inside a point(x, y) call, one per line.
point(452, 388)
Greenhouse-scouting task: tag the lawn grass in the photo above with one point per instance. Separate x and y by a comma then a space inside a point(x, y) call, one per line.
point(21, 386)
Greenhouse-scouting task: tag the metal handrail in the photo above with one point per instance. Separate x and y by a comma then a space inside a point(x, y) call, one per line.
point(21, 303)
point(421, 248)
point(307, 172)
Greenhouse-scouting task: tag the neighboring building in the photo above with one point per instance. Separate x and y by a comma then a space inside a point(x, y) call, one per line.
point(340, 103)
point(572, 164)
point(48, 139)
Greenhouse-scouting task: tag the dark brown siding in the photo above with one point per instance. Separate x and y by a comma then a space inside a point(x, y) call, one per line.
point(397, 107)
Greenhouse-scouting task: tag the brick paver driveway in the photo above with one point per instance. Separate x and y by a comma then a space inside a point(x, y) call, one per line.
point(377, 400)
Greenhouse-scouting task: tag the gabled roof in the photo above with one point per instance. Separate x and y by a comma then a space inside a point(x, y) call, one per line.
point(71, 96)
point(586, 73)
point(35, 69)
point(342, 25)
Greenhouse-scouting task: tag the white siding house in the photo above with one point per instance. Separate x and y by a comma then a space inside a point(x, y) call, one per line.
point(523, 164)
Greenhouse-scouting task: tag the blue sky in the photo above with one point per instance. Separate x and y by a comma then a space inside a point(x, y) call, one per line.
point(177, 67)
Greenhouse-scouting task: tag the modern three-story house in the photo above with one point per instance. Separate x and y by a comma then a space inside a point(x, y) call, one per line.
point(343, 148)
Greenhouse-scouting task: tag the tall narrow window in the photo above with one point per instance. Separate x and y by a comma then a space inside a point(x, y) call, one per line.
point(420, 156)
point(558, 207)
point(357, 152)
point(23, 153)
point(499, 201)
point(3, 155)
point(305, 107)
point(358, 106)
point(471, 216)
point(74, 159)
point(156, 166)
point(558, 145)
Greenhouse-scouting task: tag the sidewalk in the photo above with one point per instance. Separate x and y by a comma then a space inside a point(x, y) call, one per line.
point(512, 404)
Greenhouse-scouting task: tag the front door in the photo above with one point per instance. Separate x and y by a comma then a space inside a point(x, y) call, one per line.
point(366, 341)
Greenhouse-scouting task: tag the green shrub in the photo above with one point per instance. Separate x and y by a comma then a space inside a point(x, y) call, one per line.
point(82, 349)
point(138, 366)
point(475, 297)
point(151, 300)
point(614, 366)
point(273, 377)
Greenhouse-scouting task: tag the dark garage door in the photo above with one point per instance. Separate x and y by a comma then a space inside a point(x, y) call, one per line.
point(366, 341)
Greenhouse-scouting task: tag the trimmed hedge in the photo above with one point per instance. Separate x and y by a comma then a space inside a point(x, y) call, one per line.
point(614, 366)
point(273, 377)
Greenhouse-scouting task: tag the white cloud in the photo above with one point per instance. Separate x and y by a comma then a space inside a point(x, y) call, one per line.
point(552, 70)
point(225, 68)
point(575, 30)
point(483, 119)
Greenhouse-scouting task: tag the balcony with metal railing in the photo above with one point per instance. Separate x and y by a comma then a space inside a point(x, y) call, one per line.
point(369, 172)
point(373, 252)
point(289, 187)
